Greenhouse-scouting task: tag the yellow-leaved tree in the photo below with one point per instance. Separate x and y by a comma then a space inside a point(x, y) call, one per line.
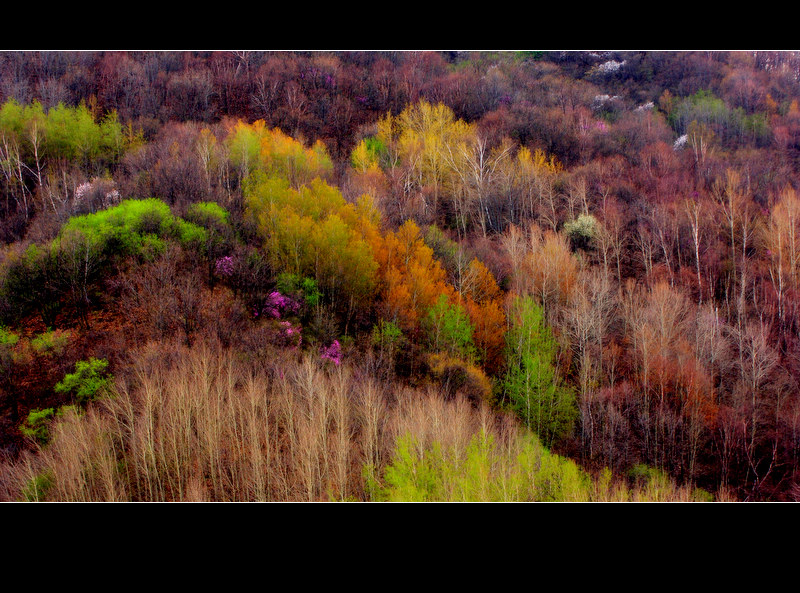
point(309, 229)
point(256, 148)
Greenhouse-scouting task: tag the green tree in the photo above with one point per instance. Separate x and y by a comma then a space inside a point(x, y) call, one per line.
point(450, 330)
point(304, 289)
point(219, 234)
point(532, 384)
point(89, 381)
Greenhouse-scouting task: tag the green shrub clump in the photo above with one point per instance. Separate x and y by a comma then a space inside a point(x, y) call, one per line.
point(303, 288)
point(7, 337)
point(51, 342)
point(89, 381)
point(36, 425)
point(135, 227)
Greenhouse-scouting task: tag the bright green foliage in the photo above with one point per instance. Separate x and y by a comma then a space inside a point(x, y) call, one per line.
point(135, 227)
point(532, 384)
point(287, 283)
point(89, 381)
point(705, 109)
point(71, 133)
point(387, 335)
point(62, 133)
point(449, 329)
point(387, 340)
point(304, 288)
point(375, 146)
point(207, 213)
point(700, 495)
point(415, 476)
point(7, 337)
point(311, 292)
point(367, 154)
point(244, 146)
point(51, 342)
point(36, 426)
point(482, 472)
point(755, 127)
point(218, 235)
point(42, 276)
point(652, 484)
point(702, 107)
point(13, 117)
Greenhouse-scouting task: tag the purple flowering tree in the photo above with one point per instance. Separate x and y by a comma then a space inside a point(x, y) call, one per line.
point(332, 352)
point(224, 266)
point(278, 305)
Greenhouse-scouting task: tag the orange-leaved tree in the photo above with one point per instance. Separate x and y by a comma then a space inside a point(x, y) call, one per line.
point(411, 278)
point(483, 301)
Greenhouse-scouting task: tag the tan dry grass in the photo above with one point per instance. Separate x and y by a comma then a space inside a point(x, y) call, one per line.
point(204, 424)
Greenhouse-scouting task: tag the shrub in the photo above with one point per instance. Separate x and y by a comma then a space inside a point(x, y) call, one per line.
point(51, 342)
point(36, 426)
point(581, 231)
point(206, 214)
point(88, 382)
point(7, 337)
point(457, 376)
point(278, 305)
point(482, 472)
point(225, 266)
point(135, 227)
point(332, 353)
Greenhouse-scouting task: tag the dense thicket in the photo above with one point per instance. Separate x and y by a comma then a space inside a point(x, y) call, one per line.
point(602, 244)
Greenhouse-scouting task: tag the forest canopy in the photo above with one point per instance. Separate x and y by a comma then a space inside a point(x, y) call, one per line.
point(397, 276)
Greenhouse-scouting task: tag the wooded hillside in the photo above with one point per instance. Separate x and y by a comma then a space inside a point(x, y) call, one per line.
point(241, 275)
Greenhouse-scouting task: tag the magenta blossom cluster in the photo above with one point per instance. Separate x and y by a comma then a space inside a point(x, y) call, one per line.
point(292, 334)
point(278, 304)
point(332, 352)
point(224, 266)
